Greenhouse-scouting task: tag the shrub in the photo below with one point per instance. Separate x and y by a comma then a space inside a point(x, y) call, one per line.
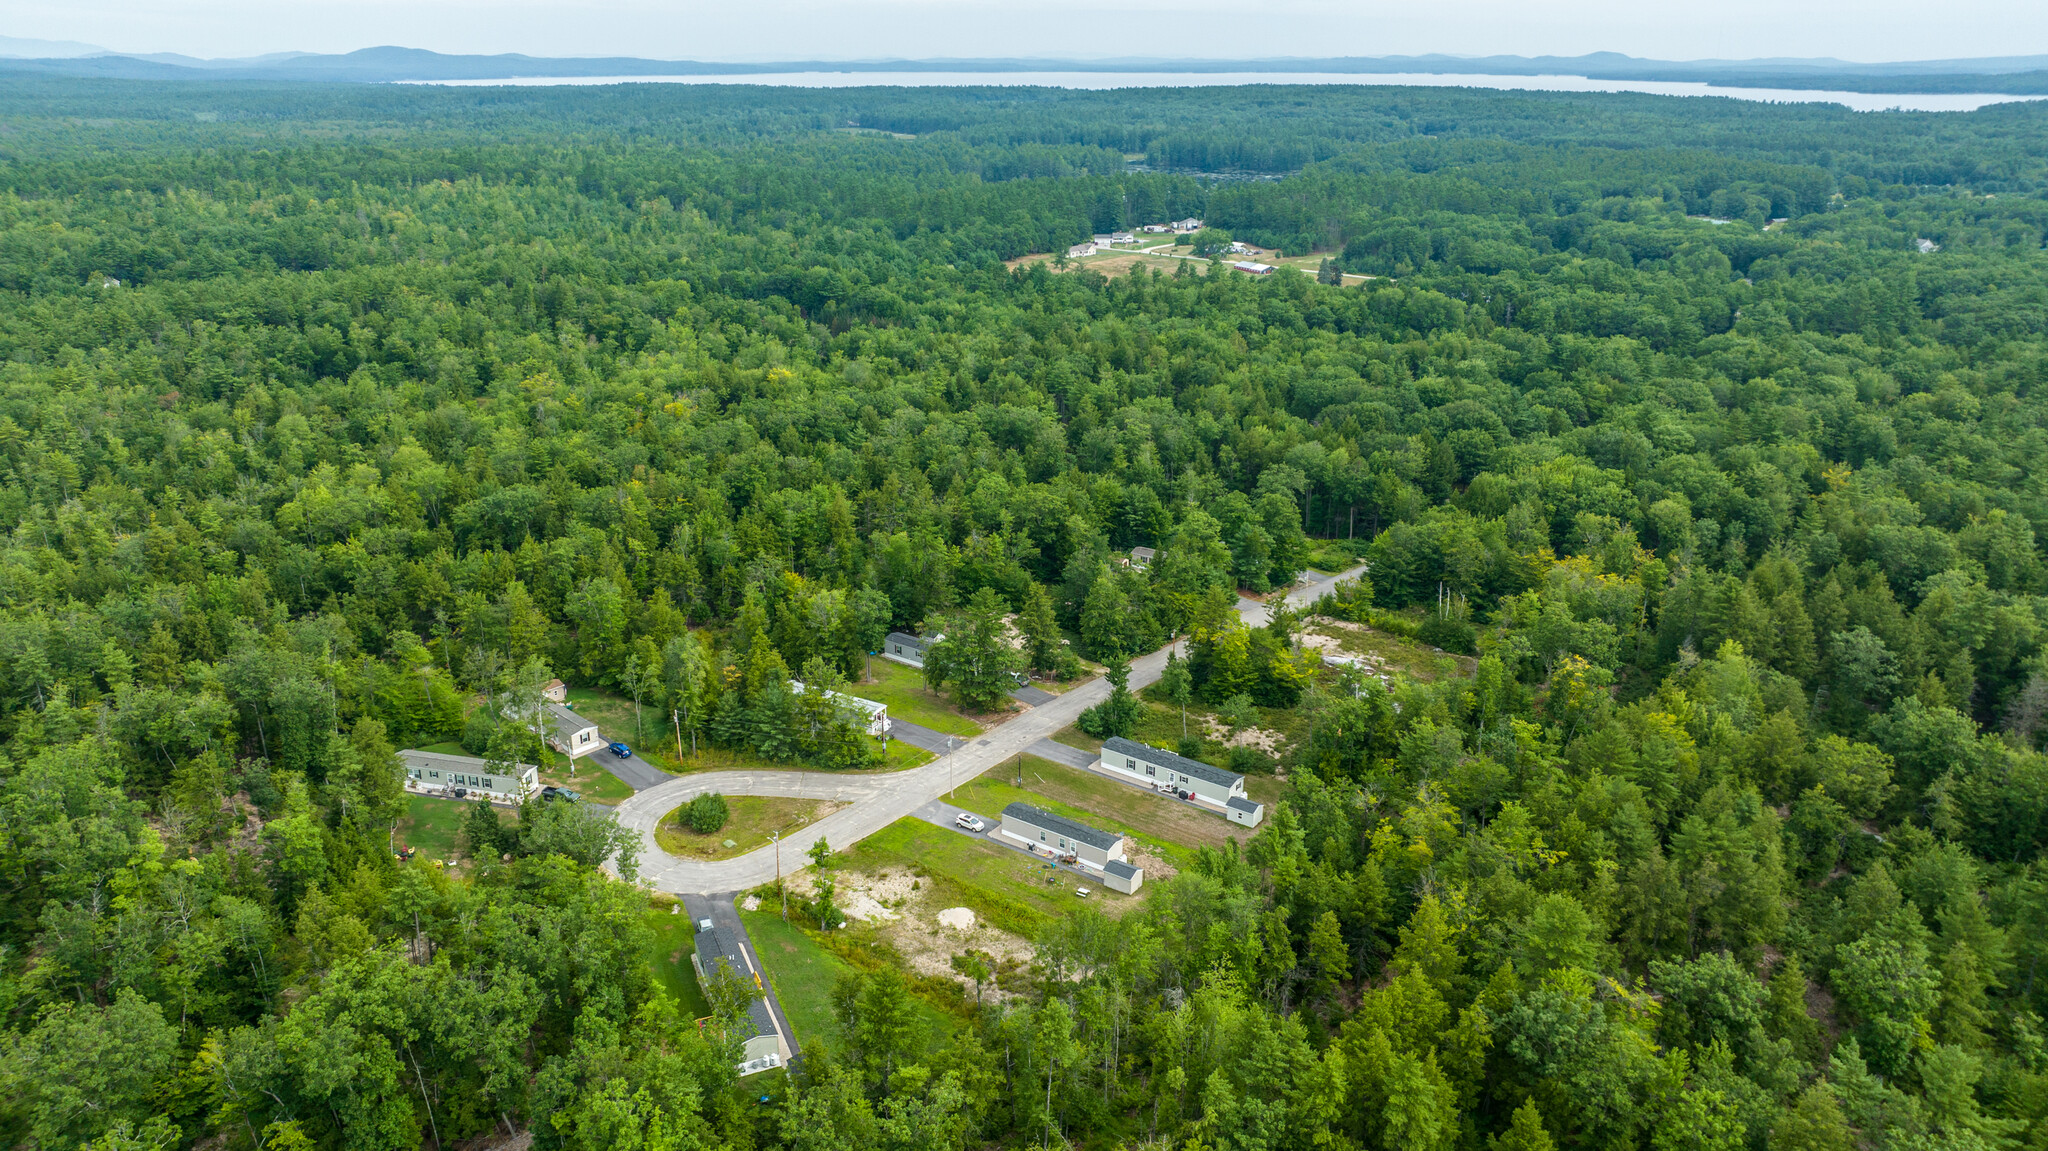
point(1449, 634)
point(477, 732)
point(1248, 761)
point(706, 813)
point(1193, 746)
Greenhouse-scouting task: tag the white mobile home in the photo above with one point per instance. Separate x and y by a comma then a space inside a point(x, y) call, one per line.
point(567, 732)
point(433, 771)
point(1042, 830)
point(763, 1046)
point(1166, 770)
point(872, 716)
point(907, 649)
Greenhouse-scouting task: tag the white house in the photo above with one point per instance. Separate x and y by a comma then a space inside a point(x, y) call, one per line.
point(1079, 250)
point(1141, 558)
point(1155, 229)
point(1188, 225)
point(1166, 770)
point(433, 771)
point(1103, 851)
point(567, 732)
point(876, 714)
point(763, 1046)
point(907, 649)
point(1251, 269)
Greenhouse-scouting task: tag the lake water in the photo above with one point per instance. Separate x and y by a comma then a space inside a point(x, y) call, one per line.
point(1858, 101)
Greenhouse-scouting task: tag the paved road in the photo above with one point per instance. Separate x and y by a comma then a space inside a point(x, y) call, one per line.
point(1061, 753)
point(873, 801)
point(918, 735)
point(1032, 696)
point(637, 773)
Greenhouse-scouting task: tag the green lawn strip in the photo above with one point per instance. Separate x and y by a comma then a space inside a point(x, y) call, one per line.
point(675, 940)
point(1074, 737)
point(903, 756)
point(1112, 806)
point(902, 688)
point(434, 826)
point(750, 820)
point(446, 747)
point(591, 780)
point(1004, 887)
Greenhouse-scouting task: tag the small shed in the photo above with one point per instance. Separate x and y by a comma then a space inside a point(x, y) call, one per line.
point(1248, 812)
point(555, 692)
point(1052, 833)
point(1118, 875)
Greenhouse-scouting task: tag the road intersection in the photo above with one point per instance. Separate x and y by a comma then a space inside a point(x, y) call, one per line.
point(875, 800)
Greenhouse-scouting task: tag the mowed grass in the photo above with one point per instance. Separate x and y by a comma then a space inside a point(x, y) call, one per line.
point(752, 819)
point(902, 688)
point(1004, 887)
point(1168, 826)
point(802, 973)
point(434, 826)
point(675, 940)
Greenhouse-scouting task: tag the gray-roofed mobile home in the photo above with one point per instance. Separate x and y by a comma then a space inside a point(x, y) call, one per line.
point(1166, 769)
point(1058, 835)
point(567, 732)
point(763, 1046)
point(436, 771)
point(905, 648)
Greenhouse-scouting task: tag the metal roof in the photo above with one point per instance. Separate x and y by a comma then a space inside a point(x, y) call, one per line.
point(1120, 869)
point(466, 763)
point(719, 943)
point(1240, 803)
point(1041, 818)
point(906, 638)
point(565, 719)
point(1191, 767)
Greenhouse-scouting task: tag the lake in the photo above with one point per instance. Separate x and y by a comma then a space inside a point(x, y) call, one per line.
point(1858, 101)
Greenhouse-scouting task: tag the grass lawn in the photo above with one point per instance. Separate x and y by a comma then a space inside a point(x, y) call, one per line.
point(591, 780)
point(1006, 888)
point(432, 825)
point(753, 818)
point(902, 688)
point(675, 939)
point(445, 747)
point(1170, 828)
point(801, 972)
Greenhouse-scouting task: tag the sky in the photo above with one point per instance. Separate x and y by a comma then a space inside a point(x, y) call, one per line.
point(755, 30)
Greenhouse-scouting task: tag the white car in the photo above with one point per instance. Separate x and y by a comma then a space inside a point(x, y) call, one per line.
point(970, 822)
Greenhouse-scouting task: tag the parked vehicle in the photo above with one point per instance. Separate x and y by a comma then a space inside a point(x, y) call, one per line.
point(970, 822)
point(622, 751)
point(561, 793)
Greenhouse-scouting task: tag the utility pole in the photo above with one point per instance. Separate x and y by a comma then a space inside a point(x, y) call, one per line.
point(677, 720)
point(775, 837)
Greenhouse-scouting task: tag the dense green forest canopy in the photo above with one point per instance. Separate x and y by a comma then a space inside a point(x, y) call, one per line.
point(1712, 430)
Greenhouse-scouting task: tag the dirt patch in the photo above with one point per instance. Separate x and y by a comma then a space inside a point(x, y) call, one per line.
point(902, 911)
point(1264, 739)
point(957, 918)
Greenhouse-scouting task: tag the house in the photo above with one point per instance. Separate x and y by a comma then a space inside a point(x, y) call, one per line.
point(1155, 229)
point(1103, 851)
point(1240, 248)
point(433, 771)
point(1188, 225)
point(865, 712)
point(1165, 769)
point(763, 1046)
point(1079, 250)
point(1116, 238)
point(907, 649)
point(1251, 269)
point(567, 732)
point(555, 692)
point(1238, 809)
point(1141, 558)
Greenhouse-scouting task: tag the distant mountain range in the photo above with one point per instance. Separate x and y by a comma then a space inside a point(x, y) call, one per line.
point(2011, 74)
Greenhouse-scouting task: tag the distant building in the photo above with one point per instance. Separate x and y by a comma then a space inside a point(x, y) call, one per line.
point(433, 771)
point(556, 691)
point(1103, 851)
point(763, 1046)
point(1167, 770)
point(1251, 269)
point(907, 649)
point(1142, 557)
point(1079, 250)
point(1239, 248)
point(874, 717)
point(1188, 225)
point(1155, 229)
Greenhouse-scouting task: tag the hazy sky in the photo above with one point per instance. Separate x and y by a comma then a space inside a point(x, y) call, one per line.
point(786, 29)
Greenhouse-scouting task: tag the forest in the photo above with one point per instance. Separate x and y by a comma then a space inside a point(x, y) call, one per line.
point(335, 418)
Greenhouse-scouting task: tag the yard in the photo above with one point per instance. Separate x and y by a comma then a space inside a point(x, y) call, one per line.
point(675, 940)
point(614, 718)
point(752, 818)
point(590, 780)
point(1166, 825)
point(434, 826)
point(1006, 889)
point(902, 688)
point(803, 974)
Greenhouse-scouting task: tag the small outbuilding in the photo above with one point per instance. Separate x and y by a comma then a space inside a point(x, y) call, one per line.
point(555, 692)
point(1141, 558)
point(1120, 876)
point(1248, 812)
